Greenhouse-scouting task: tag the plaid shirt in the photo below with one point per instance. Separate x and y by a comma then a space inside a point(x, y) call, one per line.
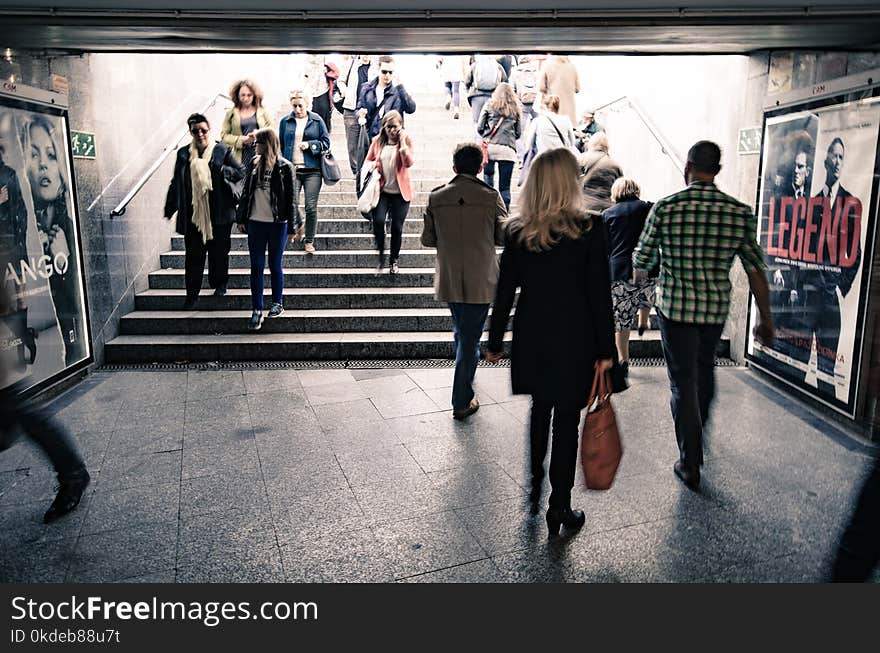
point(695, 234)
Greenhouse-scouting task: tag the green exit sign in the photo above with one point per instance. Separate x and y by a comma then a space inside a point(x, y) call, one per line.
point(83, 145)
point(749, 141)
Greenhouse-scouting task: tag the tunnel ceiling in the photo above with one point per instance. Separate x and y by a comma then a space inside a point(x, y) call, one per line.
point(631, 26)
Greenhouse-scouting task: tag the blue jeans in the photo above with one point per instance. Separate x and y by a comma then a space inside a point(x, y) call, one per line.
point(261, 235)
point(452, 93)
point(505, 172)
point(689, 350)
point(467, 324)
point(311, 180)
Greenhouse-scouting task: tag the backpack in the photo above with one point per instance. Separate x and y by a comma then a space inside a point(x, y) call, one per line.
point(527, 85)
point(487, 74)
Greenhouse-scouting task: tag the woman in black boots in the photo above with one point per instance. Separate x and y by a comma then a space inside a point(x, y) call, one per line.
point(556, 254)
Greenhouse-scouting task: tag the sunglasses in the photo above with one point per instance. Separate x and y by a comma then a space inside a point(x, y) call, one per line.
point(198, 131)
point(387, 72)
point(297, 106)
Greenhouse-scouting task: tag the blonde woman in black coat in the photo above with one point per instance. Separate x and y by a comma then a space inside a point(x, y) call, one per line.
point(563, 328)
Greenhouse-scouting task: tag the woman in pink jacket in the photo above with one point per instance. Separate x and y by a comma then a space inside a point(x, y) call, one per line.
point(391, 149)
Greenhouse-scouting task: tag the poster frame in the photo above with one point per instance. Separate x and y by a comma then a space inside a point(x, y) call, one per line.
point(31, 98)
point(835, 92)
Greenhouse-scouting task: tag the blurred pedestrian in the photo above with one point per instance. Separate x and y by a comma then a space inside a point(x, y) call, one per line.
point(499, 125)
point(598, 173)
point(559, 77)
point(552, 129)
point(555, 253)
point(483, 77)
point(453, 70)
point(243, 119)
point(356, 78)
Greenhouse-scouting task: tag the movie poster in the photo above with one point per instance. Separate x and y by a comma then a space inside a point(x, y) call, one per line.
point(43, 328)
point(815, 224)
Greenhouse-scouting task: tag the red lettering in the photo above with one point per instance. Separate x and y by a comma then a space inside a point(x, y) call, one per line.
point(772, 250)
point(848, 254)
point(797, 219)
point(784, 206)
point(828, 233)
point(810, 227)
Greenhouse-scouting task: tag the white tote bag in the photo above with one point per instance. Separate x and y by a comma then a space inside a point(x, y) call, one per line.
point(370, 194)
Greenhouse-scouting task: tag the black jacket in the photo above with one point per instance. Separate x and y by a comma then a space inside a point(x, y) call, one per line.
point(623, 225)
point(13, 219)
point(280, 192)
point(563, 322)
point(396, 98)
point(226, 172)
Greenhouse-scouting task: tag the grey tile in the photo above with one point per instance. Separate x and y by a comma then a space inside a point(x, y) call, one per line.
point(292, 422)
point(216, 434)
point(218, 493)
point(474, 485)
point(363, 437)
point(151, 469)
point(443, 397)
point(213, 384)
point(112, 510)
point(429, 425)
point(76, 418)
point(411, 402)
point(45, 562)
point(344, 413)
point(386, 386)
point(364, 375)
point(143, 440)
point(428, 379)
point(204, 536)
point(165, 576)
point(22, 524)
point(170, 413)
point(244, 565)
point(389, 463)
point(310, 516)
point(482, 571)
point(311, 378)
point(235, 458)
point(217, 409)
point(399, 499)
point(521, 409)
point(283, 483)
point(427, 543)
point(259, 381)
point(504, 526)
point(334, 393)
point(117, 555)
point(24, 485)
point(277, 403)
point(348, 557)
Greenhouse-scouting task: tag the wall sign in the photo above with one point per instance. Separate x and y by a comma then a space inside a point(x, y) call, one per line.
point(749, 141)
point(82, 144)
point(816, 220)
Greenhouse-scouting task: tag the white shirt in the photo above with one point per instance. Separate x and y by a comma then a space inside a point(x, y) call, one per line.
point(297, 140)
point(831, 193)
point(389, 171)
point(546, 136)
point(351, 84)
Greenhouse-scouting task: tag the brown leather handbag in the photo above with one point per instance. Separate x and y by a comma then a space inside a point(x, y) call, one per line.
point(601, 448)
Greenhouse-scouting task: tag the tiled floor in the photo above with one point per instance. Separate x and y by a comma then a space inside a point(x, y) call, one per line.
point(362, 475)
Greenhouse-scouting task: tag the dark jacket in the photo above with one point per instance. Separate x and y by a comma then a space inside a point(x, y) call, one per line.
point(280, 193)
point(315, 134)
point(13, 219)
point(599, 172)
point(225, 171)
point(395, 99)
point(623, 225)
point(563, 322)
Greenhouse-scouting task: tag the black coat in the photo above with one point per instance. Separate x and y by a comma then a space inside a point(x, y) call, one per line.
point(226, 171)
point(623, 225)
point(563, 322)
point(280, 191)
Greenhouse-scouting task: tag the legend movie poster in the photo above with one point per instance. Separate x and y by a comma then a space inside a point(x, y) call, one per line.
point(43, 329)
point(815, 223)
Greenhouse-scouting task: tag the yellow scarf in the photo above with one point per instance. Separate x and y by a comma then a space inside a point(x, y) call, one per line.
point(200, 176)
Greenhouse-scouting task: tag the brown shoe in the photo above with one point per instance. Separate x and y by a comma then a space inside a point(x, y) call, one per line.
point(467, 412)
point(310, 248)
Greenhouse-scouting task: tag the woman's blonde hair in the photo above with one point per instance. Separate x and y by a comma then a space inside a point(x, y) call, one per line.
point(504, 101)
point(552, 205)
point(598, 142)
point(235, 89)
point(551, 102)
point(299, 93)
point(268, 137)
point(624, 189)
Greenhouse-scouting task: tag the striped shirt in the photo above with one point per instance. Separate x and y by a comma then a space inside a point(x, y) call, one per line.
point(695, 234)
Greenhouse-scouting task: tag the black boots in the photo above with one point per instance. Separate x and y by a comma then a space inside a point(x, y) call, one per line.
point(571, 519)
point(70, 491)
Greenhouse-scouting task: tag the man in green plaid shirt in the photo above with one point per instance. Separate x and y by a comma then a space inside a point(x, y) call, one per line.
point(695, 235)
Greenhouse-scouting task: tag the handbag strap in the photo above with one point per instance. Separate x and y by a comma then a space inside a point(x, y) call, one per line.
point(495, 129)
point(558, 131)
point(599, 392)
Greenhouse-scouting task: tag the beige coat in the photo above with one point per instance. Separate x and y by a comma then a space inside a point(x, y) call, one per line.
point(560, 77)
point(463, 221)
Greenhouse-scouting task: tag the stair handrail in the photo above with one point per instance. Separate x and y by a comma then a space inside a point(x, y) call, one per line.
point(665, 146)
point(166, 151)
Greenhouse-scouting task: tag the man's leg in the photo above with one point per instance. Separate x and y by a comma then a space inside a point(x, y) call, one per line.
point(352, 134)
point(468, 320)
point(680, 347)
point(709, 337)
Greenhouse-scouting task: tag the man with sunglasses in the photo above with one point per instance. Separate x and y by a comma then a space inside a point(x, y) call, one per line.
point(382, 95)
point(203, 195)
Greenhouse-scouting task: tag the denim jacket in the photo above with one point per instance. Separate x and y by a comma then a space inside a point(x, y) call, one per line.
point(316, 135)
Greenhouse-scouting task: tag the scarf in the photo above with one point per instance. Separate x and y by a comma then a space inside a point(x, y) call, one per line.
point(200, 175)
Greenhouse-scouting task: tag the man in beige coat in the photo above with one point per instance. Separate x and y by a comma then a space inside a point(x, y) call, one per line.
point(463, 221)
point(559, 76)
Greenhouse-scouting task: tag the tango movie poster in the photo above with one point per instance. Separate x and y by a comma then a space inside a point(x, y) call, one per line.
point(43, 332)
point(816, 220)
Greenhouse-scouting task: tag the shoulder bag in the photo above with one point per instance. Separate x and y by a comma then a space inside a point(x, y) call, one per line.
point(329, 168)
point(370, 190)
point(601, 448)
point(484, 144)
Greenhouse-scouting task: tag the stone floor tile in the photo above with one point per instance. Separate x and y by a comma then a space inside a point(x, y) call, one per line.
point(113, 510)
point(334, 393)
point(216, 434)
point(151, 469)
point(116, 555)
point(219, 383)
point(311, 378)
point(410, 402)
point(504, 526)
point(389, 463)
point(146, 416)
point(443, 397)
point(428, 379)
point(229, 459)
point(22, 523)
point(482, 571)
point(44, 562)
point(399, 499)
point(348, 557)
point(204, 536)
point(217, 409)
point(259, 381)
point(474, 484)
point(366, 374)
point(343, 413)
point(364, 437)
point(245, 565)
point(310, 516)
point(218, 493)
point(140, 440)
point(277, 403)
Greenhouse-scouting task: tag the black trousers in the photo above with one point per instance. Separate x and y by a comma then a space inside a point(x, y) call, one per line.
point(689, 350)
point(393, 207)
point(563, 456)
point(859, 550)
point(217, 252)
point(46, 433)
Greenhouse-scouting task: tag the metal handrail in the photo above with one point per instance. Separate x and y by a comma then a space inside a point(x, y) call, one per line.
point(166, 151)
point(665, 146)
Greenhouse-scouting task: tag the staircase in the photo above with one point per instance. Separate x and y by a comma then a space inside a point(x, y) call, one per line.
point(337, 306)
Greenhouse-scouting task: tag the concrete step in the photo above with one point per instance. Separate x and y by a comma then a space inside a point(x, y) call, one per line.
point(280, 346)
point(422, 183)
point(311, 278)
point(353, 258)
point(358, 225)
point(323, 242)
point(331, 197)
point(343, 211)
point(296, 299)
point(350, 320)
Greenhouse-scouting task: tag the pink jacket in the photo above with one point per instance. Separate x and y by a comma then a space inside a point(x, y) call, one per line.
point(401, 163)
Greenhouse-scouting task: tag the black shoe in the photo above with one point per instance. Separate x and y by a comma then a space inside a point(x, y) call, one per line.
point(472, 408)
point(220, 291)
point(190, 303)
point(394, 269)
point(571, 519)
point(381, 264)
point(256, 321)
point(642, 330)
point(70, 491)
point(687, 475)
point(275, 309)
point(624, 369)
